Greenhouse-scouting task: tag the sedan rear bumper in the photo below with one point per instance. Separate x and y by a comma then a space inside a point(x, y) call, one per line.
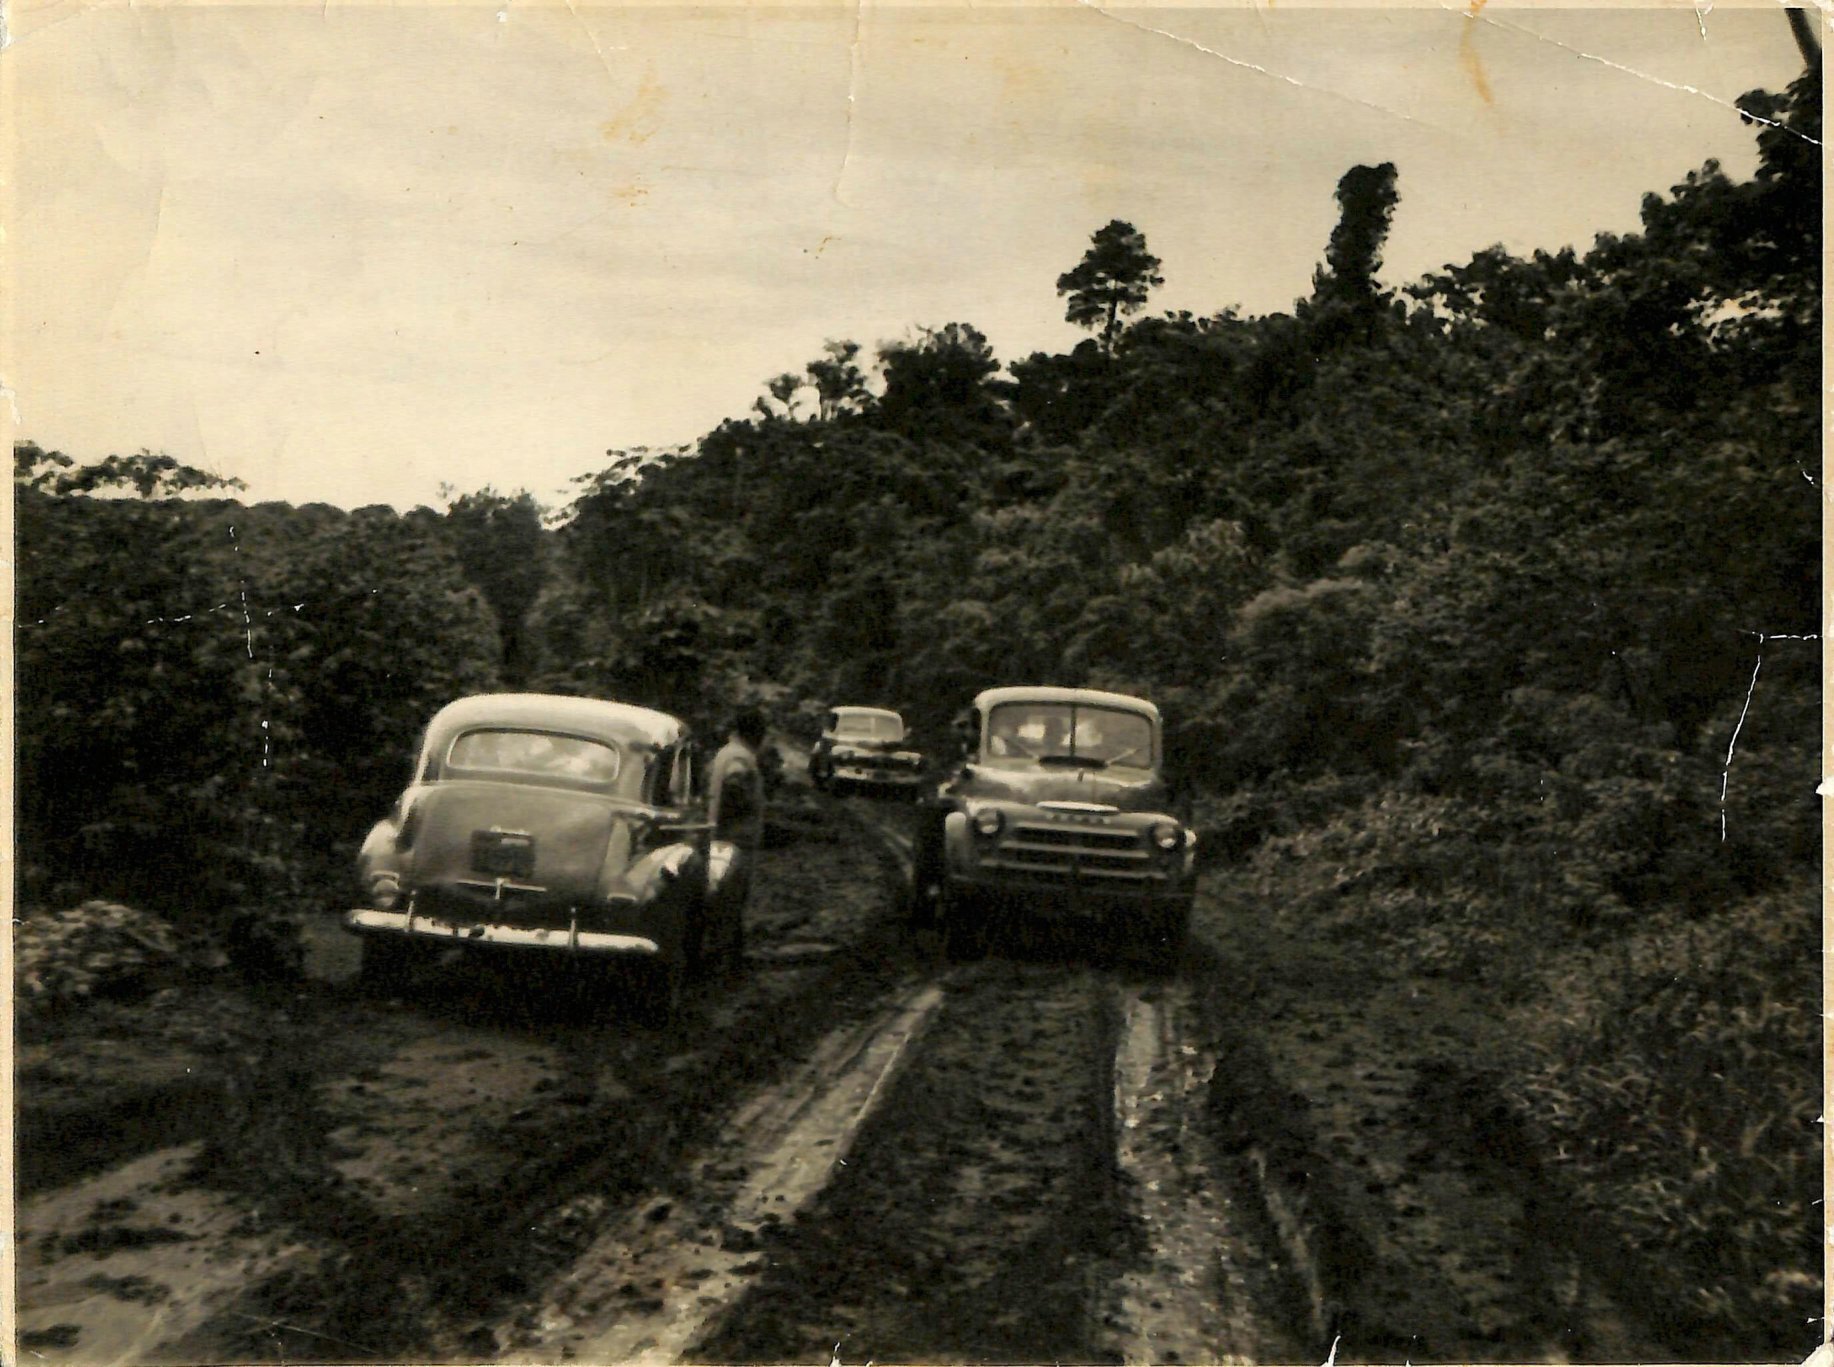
point(370, 921)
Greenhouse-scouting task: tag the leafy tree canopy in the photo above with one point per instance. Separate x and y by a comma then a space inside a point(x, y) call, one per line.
point(1111, 281)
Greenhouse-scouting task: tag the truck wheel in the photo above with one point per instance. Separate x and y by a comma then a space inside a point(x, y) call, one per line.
point(963, 928)
point(1158, 939)
point(922, 894)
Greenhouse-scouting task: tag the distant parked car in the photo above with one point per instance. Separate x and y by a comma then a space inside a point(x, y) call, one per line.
point(864, 747)
point(1058, 807)
point(560, 826)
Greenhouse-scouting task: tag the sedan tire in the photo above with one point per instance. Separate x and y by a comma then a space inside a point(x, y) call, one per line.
point(732, 949)
point(663, 992)
point(385, 964)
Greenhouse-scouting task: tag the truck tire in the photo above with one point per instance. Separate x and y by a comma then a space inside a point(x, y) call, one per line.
point(1158, 938)
point(964, 927)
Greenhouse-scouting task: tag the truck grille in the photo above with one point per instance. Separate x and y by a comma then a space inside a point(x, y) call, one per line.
point(1069, 853)
point(1077, 839)
point(872, 762)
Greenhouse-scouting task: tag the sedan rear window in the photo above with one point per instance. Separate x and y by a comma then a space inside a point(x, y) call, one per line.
point(535, 752)
point(871, 724)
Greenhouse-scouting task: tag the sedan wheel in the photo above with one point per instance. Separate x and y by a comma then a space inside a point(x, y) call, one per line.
point(386, 963)
point(664, 990)
point(731, 958)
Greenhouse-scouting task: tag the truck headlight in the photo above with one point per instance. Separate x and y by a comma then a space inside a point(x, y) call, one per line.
point(1167, 837)
point(988, 822)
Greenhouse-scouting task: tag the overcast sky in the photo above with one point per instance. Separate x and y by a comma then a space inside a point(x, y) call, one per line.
point(350, 253)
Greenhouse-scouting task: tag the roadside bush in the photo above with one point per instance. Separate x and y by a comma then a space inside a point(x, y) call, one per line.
point(213, 699)
point(1675, 1078)
point(1416, 879)
point(97, 951)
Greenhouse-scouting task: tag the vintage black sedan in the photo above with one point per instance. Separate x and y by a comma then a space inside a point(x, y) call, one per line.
point(561, 826)
point(864, 747)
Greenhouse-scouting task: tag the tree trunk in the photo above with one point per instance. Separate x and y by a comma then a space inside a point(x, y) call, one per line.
point(1806, 42)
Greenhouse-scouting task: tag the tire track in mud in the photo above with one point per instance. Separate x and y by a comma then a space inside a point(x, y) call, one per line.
point(1409, 1226)
point(1204, 1289)
point(650, 1287)
point(977, 1217)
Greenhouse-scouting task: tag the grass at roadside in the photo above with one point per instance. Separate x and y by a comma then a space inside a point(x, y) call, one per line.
point(1600, 1151)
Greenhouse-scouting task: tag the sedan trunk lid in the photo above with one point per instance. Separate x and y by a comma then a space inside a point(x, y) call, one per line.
point(521, 848)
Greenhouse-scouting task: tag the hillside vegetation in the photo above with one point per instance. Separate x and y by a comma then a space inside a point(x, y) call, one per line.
point(1482, 612)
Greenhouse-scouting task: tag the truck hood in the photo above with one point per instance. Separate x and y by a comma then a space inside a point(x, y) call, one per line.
point(1134, 792)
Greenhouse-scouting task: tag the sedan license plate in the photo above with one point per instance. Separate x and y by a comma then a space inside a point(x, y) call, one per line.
point(506, 854)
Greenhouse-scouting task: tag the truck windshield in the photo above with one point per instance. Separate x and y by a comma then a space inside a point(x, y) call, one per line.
point(1070, 734)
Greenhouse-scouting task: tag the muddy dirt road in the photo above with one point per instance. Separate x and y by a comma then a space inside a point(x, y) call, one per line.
point(852, 1149)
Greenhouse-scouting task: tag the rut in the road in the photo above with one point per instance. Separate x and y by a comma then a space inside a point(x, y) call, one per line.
point(1208, 1287)
point(652, 1284)
point(978, 1213)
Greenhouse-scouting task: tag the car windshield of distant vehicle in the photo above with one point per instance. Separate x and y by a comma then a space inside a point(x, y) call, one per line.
point(868, 726)
point(536, 752)
point(1074, 735)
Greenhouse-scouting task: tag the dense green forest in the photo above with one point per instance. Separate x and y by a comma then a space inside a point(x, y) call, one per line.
point(1483, 612)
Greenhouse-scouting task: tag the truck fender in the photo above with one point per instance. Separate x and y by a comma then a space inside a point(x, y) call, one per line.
point(958, 843)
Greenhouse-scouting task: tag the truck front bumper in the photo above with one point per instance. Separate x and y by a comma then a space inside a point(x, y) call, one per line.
point(1070, 899)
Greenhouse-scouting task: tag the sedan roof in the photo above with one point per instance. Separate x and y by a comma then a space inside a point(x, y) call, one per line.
point(598, 718)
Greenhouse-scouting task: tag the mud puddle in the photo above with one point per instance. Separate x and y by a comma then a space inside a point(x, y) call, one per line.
point(115, 1266)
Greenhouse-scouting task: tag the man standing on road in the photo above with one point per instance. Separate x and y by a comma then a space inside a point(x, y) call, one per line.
point(735, 785)
point(735, 797)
